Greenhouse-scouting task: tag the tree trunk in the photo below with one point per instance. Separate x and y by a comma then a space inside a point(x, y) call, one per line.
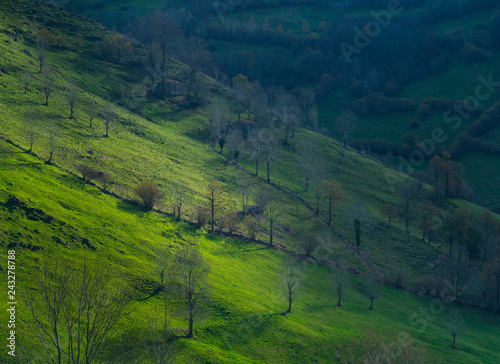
point(371, 304)
point(454, 341)
point(340, 296)
point(257, 168)
point(191, 322)
point(271, 233)
point(268, 177)
point(50, 158)
point(289, 302)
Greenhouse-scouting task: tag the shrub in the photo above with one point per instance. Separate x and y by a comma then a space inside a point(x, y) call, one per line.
point(88, 172)
point(309, 243)
point(250, 224)
point(372, 347)
point(201, 216)
point(149, 193)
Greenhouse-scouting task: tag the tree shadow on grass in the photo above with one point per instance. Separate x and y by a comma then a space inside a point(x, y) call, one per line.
point(131, 208)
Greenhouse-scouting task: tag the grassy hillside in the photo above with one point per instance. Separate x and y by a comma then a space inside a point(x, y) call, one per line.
point(242, 325)
point(168, 144)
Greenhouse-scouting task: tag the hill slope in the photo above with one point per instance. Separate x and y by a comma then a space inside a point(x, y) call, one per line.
point(166, 144)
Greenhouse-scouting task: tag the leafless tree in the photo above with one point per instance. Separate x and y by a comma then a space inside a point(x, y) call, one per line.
point(179, 195)
point(92, 111)
point(216, 201)
point(309, 243)
point(271, 151)
point(192, 273)
point(309, 161)
point(371, 291)
point(33, 118)
point(218, 115)
point(71, 95)
point(273, 211)
point(358, 216)
point(42, 48)
point(149, 193)
point(156, 340)
point(259, 102)
point(52, 132)
point(345, 124)
point(161, 267)
point(73, 311)
point(306, 101)
point(290, 280)
point(243, 187)
point(27, 78)
point(409, 192)
point(455, 325)
point(255, 149)
point(108, 115)
point(341, 282)
point(47, 83)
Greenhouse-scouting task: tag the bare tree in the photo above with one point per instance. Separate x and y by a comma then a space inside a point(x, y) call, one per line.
point(161, 267)
point(255, 149)
point(455, 325)
point(333, 191)
point(42, 47)
point(108, 115)
point(179, 195)
point(149, 193)
point(271, 151)
point(309, 243)
point(290, 279)
point(409, 191)
point(358, 216)
point(371, 291)
point(218, 115)
point(345, 124)
point(390, 212)
point(340, 282)
point(156, 340)
point(309, 161)
point(216, 201)
point(243, 188)
point(306, 101)
point(33, 118)
point(71, 95)
point(73, 311)
point(273, 211)
point(47, 83)
point(27, 78)
point(52, 132)
point(92, 111)
point(192, 273)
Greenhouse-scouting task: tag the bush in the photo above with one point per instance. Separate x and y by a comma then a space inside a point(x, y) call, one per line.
point(88, 172)
point(149, 193)
point(250, 224)
point(309, 243)
point(201, 216)
point(372, 347)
